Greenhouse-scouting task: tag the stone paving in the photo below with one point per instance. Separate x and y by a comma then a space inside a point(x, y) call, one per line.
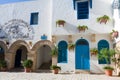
point(51, 76)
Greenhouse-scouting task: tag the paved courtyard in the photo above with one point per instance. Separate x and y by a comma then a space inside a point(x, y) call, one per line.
point(51, 76)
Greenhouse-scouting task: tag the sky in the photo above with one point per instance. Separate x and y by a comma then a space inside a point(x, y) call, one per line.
point(11, 1)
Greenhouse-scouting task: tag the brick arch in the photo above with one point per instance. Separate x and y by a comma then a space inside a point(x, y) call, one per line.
point(41, 43)
point(17, 44)
point(4, 46)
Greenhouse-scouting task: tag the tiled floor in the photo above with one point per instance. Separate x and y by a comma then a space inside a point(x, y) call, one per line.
point(51, 76)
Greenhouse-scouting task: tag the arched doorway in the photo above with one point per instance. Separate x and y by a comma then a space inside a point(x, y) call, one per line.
point(102, 44)
point(44, 58)
point(20, 56)
point(2, 53)
point(62, 52)
point(82, 55)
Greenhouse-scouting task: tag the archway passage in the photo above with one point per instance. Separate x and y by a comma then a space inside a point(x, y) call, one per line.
point(82, 55)
point(20, 56)
point(44, 58)
point(2, 55)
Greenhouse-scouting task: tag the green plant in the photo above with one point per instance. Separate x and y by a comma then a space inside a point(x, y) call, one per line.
point(71, 46)
point(106, 54)
point(114, 34)
point(3, 64)
point(103, 19)
point(55, 67)
point(60, 22)
point(82, 28)
point(94, 51)
point(54, 51)
point(108, 68)
point(27, 63)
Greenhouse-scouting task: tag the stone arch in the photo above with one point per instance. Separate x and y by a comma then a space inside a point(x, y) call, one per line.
point(17, 44)
point(18, 52)
point(42, 49)
point(41, 43)
point(4, 46)
point(3, 50)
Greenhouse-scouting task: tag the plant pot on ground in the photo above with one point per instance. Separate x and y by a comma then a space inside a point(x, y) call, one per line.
point(107, 54)
point(3, 65)
point(55, 68)
point(108, 70)
point(27, 64)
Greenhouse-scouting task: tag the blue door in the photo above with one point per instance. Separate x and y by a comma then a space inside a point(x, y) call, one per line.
point(82, 55)
point(62, 52)
point(102, 44)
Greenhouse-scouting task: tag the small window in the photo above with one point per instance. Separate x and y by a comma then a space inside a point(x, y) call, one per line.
point(34, 18)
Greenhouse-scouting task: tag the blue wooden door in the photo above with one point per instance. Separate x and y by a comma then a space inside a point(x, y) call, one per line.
point(62, 52)
point(82, 55)
point(102, 44)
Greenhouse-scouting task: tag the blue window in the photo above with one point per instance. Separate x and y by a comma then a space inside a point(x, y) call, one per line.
point(34, 18)
point(103, 44)
point(62, 52)
point(82, 10)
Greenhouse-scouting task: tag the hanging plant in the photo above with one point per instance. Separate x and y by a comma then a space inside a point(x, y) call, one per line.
point(94, 51)
point(71, 46)
point(60, 22)
point(103, 19)
point(82, 28)
point(114, 34)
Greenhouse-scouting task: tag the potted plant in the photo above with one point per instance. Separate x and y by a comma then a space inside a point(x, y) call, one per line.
point(114, 34)
point(60, 22)
point(27, 65)
point(3, 65)
point(54, 53)
point(106, 54)
point(82, 28)
point(103, 19)
point(71, 46)
point(55, 68)
point(94, 51)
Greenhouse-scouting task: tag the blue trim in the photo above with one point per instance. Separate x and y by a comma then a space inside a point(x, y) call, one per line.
point(90, 3)
point(82, 55)
point(102, 44)
point(62, 52)
point(34, 18)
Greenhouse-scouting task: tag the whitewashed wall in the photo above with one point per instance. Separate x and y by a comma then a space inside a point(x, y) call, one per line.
point(23, 10)
point(63, 9)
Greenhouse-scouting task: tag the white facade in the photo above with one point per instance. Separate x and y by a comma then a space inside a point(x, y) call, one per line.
point(52, 10)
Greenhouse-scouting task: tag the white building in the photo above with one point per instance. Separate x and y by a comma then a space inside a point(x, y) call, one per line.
point(30, 29)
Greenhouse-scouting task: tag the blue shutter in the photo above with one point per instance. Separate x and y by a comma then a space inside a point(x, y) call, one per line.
point(74, 3)
point(34, 19)
point(62, 52)
point(90, 3)
point(82, 10)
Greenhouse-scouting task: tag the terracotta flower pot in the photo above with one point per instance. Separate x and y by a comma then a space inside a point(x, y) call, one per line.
point(56, 71)
point(108, 72)
point(28, 70)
